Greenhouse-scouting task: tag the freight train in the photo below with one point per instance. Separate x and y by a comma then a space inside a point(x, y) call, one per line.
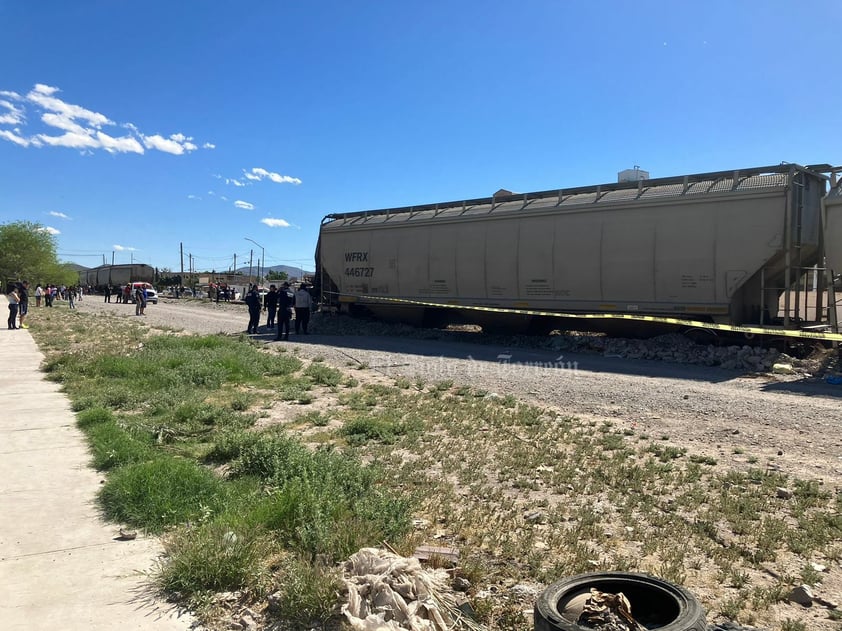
point(728, 247)
point(99, 277)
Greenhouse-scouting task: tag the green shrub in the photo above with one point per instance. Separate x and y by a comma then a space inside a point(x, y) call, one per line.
point(326, 502)
point(323, 375)
point(384, 426)
point(230, 445)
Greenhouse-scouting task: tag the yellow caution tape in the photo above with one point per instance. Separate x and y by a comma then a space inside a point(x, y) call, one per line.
point(755, 330)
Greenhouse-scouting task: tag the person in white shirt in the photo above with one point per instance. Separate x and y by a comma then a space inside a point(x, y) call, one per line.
point(303, 304)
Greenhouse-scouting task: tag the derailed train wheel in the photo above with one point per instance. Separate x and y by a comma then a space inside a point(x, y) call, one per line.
point(655, 603)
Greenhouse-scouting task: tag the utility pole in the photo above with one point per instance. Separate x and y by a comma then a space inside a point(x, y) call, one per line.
point(181, 251)
point(251, 254)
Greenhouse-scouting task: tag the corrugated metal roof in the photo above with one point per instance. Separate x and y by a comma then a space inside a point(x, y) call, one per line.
point(746, 180)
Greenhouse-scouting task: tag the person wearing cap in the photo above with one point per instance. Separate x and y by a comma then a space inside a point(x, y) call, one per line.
point(303, 304)
point(285, 302)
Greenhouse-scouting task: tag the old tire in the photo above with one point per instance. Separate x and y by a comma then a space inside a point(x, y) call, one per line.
point(655, 603)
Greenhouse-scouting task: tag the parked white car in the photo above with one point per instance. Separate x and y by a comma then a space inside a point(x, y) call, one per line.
point(151, 294)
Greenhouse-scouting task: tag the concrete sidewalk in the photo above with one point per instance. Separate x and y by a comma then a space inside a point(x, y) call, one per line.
point(60, 564)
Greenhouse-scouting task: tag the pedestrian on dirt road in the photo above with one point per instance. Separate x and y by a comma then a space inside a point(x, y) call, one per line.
point(252, 300)
point(270, 305)
point(285, 302)
point(108, 293)
point(303, 304)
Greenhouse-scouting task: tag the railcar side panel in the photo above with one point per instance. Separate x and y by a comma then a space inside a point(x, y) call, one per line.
point(712, 244)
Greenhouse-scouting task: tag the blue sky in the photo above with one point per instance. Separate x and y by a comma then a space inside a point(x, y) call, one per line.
point(133, 127)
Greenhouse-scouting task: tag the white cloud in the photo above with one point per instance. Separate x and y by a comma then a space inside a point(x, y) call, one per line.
point(13, 116)
point(167, 145)
point(123, 248)
point(43, 95)
point(275, 223)
point(193, 197)
point(258, 173)
point(70, 139)
point(15, 138)
point(124, 144)
point(208, 145)
point(223, 198)
point(51, 230)
point(56, 213)
point(229, 180)
point(244, 205)
point(83, 128)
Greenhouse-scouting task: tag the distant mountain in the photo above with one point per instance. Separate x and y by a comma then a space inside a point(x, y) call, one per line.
point(76, 267)
point(292, 272)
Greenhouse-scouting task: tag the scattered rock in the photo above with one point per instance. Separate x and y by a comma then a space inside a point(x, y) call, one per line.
point(126, 535)
point(783, 493)
point(802, 595)
point(461, 584)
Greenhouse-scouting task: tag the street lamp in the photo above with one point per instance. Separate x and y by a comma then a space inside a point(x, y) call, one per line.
point(262, 256)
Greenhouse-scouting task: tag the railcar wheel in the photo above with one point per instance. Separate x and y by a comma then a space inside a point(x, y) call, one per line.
point(655, 603)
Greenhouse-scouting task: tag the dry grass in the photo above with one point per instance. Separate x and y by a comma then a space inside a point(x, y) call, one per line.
point(529, 495)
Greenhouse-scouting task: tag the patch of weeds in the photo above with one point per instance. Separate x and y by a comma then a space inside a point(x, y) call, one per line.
point(240, 402)
point(230, 444)
point(112, 446)
point(611, 442)
point(325, 503)
point(213, 557)
point(708, 460)
point(731, 608)
point(403, 383)
point(350, 382)
point(323, 375)
point(294, 389)
point(810, 576)
point(93, 416)
point(160, 493)
point(313, 418)
point(793, 625)
point(666, 453)
point(307, 593)
point(739, 579)
point(383, 426)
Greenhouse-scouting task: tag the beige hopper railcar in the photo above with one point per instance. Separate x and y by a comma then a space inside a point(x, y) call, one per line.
point(719, 247)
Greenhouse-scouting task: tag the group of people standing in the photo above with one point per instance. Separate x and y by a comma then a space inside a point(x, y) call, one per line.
point(50, 293)
point(18, 296)
point(281, 303)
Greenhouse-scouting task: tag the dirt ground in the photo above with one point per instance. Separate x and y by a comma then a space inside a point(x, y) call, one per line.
point(788, 423)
